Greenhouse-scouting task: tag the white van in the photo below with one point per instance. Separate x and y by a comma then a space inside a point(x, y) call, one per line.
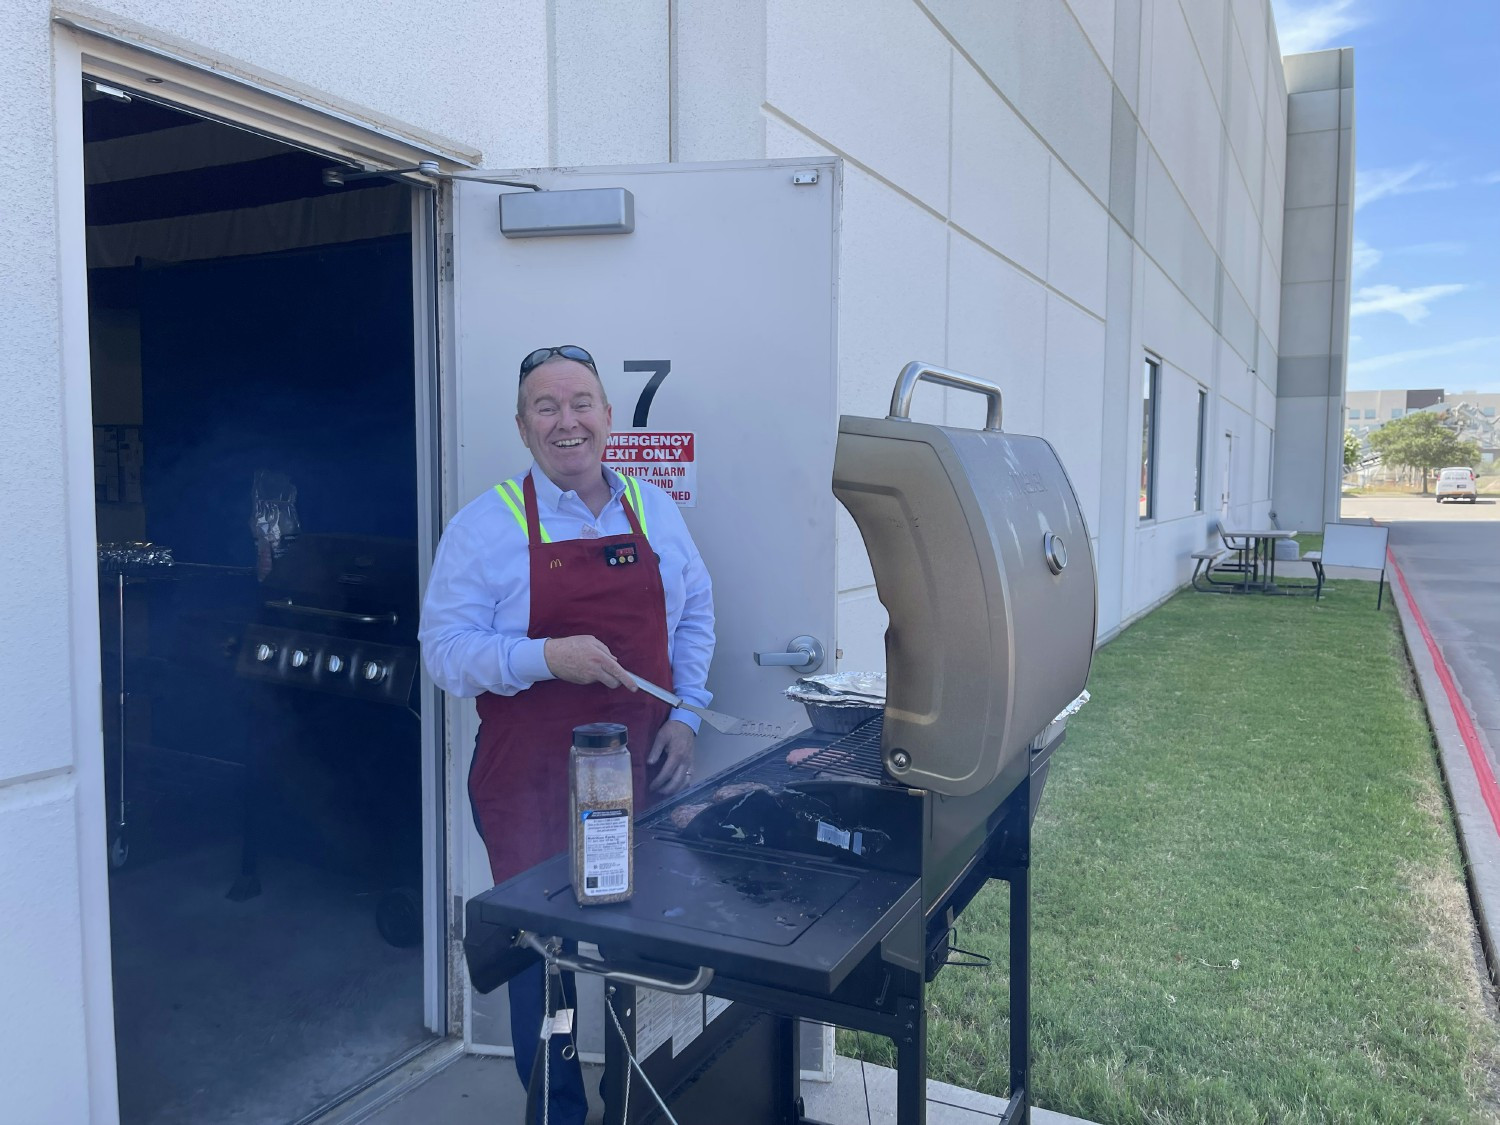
point(1457, 483)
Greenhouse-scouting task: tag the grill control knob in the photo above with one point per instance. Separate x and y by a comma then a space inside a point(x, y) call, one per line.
point(374, 670)
point(1056, 552)
point(299, 659)
point(264, 652)
point(335, 664)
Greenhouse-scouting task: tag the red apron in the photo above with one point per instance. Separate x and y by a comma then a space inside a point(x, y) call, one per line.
point(518, 780)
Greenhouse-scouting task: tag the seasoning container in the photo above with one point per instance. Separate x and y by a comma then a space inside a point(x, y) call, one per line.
point(602, 802)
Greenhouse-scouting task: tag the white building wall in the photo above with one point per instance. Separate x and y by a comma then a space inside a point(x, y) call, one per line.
point(1315, 285)
point(1037, 191)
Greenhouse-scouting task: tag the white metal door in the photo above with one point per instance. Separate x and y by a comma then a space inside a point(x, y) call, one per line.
point(714, 317)
point(1228, 470)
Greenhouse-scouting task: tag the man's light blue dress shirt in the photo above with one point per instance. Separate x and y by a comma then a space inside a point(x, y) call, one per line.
point(477, 609)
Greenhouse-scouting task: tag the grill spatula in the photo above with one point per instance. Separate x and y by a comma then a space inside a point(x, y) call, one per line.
point(725, 724)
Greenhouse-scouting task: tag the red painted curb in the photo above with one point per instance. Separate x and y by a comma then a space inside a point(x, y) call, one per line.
point(1477, 757)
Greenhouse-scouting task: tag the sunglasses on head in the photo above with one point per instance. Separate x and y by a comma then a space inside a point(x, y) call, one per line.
point(567, 351)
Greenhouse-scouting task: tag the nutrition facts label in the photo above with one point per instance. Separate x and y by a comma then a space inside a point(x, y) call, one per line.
point(606, 851)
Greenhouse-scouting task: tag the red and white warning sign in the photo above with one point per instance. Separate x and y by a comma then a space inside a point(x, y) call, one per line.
point(666, 458)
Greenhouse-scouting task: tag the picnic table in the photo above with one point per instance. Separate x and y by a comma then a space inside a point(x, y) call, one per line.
point(1250, 544)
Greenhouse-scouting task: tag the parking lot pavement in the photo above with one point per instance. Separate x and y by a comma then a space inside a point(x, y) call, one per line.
point(1393, 509)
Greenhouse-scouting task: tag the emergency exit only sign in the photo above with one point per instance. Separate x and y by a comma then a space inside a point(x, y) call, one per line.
point(666, 458)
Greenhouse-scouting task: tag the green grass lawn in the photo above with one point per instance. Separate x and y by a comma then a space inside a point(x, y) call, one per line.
point(1248, 903)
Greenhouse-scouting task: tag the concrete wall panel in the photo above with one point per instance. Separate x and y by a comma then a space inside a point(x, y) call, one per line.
point(1000, 173)
point(1250, 21)
point(1126, 66)
point(43, 1066)
point(862, 622)
point(1236, 382)
point(1240, 243)
point(997, 329)
point(1312, 111)
point(1077, 241)
point(1312, 169)
point(1269, 309)
point(719, 70)
point(1206, 22)
point(1301, 424)
point(474, 70)
point(1246, 127)
point(876, 87)
point(884, 319)
point(1097, 20)
point(1073, 416)
point(1306, 317)
point(1184, 122)
point(1172, 327)
point(1310, 237)
point(611, 94)
point(1175, 241)
point(1037, 55)
point(1317, 70)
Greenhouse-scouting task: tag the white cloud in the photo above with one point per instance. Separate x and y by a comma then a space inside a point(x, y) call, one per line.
point(1491, 178)
point(1371, 184)
point(1395, 359)
point(1443, 249)
point(1311, 27)
point(1366, 257)
point(1409, 304)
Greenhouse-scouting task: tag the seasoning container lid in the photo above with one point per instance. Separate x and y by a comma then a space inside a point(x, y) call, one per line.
point(599, 736)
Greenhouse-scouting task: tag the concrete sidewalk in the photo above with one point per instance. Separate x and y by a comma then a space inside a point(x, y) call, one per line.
point(474, 1090)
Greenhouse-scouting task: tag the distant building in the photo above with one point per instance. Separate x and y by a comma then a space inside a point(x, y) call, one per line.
point(1475, 416)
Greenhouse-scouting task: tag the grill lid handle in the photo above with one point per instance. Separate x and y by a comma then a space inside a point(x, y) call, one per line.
point(341, 614)
point(916, 371)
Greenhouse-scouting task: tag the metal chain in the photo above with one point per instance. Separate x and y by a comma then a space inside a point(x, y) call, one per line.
point(625, 1042)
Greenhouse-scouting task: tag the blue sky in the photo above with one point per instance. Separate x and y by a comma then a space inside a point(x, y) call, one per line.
point(1425, 310)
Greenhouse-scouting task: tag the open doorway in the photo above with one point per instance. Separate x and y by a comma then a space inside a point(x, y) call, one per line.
point(251, 338)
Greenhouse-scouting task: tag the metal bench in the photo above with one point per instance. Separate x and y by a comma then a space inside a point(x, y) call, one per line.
point(1204, 563)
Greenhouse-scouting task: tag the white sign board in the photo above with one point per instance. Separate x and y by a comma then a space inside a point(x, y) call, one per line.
point(1357, 545)
point(665, 458)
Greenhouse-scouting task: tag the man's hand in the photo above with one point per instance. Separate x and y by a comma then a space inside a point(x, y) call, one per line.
point(675, 740)
point(585, 660)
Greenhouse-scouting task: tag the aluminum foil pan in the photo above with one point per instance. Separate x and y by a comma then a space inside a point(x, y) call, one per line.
point(132, 558)
point(840, 689)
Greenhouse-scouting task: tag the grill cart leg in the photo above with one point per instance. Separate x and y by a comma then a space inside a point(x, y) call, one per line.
point(1015, 869)
point(911, 1057)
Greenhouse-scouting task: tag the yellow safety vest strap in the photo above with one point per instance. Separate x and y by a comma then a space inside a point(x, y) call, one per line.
point(633, 498)
point(515, 500)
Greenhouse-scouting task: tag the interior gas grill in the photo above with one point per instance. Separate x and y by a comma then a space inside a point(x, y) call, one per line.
point(338, 615)
point(333, 770)
point(830, 889)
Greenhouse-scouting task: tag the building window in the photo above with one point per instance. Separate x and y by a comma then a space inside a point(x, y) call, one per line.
point(1397, 412)
point(1149, 395)
point(1353, 414)
point(1369, 414)
point(1202, 450)
point(1488, 412)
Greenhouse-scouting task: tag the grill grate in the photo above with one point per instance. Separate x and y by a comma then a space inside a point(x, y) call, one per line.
point(853, 755)
point(856, 754)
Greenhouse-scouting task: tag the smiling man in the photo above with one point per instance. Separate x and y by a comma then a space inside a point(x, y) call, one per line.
point(536, 609)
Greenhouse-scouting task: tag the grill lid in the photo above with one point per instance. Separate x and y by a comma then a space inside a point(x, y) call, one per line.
point(983, 562)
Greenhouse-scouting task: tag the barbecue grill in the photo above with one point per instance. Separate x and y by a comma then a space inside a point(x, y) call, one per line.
point(333, 774)
point(823, 878)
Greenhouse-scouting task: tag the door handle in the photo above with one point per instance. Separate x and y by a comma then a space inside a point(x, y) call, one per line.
point(804, 654)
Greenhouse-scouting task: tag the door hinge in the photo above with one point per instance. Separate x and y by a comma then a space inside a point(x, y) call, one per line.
point(458, 918)
point(446, 266)
point(806, 176)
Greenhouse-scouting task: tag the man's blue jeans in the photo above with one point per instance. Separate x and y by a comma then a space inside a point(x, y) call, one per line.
point(569, 1104)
